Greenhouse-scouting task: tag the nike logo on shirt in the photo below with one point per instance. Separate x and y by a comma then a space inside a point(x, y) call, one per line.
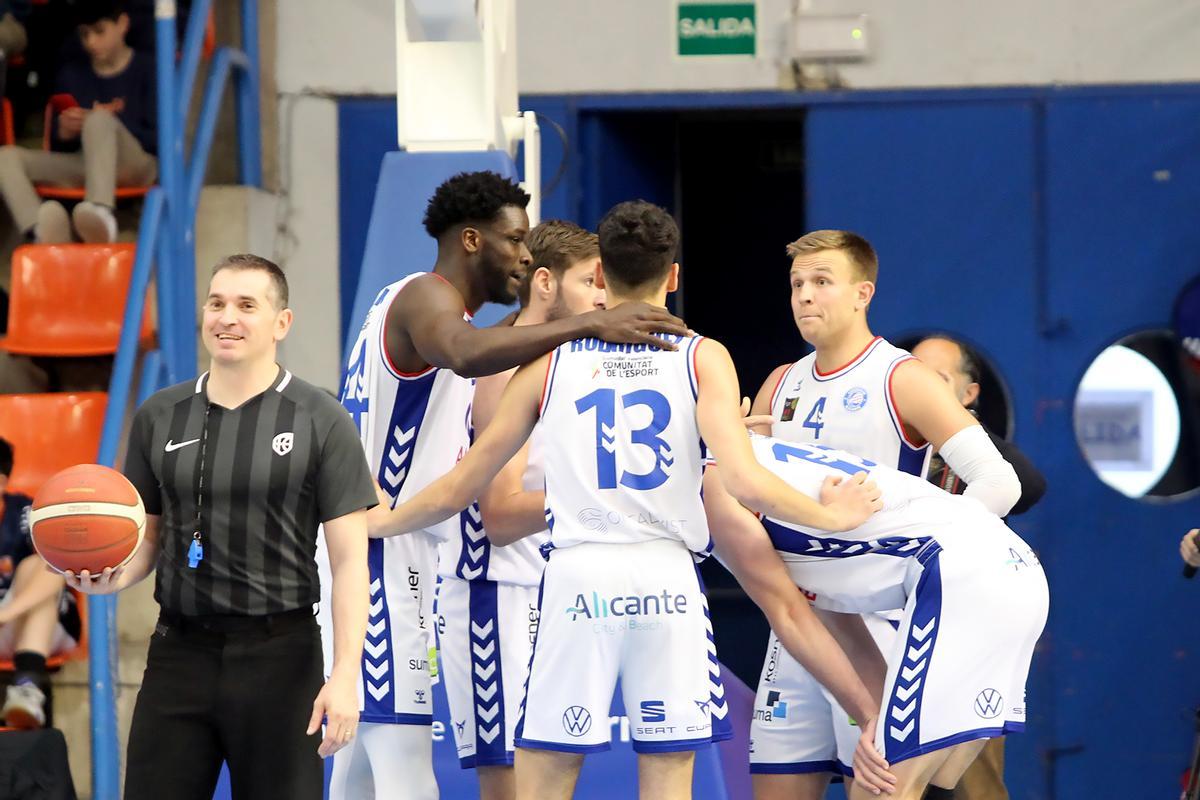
point(172, 446)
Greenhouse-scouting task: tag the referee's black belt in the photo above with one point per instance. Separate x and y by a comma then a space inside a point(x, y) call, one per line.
point(295, 619)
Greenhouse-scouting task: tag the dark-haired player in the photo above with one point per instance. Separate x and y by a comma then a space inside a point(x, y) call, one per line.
point(409, 387)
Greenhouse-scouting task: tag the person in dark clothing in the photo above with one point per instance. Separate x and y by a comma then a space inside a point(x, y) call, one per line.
point(959, 367)
point(36, 618)
point(104, 135)
point(237, 470)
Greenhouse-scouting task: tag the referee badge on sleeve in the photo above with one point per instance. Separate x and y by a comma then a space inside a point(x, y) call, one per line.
point(282, 444)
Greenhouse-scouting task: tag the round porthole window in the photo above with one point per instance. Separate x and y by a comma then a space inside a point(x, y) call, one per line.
point(1130, 421)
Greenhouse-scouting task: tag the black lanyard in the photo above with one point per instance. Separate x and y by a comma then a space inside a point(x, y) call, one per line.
point(195, 553)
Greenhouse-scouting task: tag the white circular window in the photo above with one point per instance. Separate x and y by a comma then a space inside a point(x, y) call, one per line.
point(1127, 418)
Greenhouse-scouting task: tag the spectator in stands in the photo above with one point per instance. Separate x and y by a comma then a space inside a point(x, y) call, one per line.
point(36, 617)
point(107, 137)
point(12, 31)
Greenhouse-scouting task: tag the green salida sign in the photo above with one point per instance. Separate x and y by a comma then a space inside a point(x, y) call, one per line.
point(716, 29)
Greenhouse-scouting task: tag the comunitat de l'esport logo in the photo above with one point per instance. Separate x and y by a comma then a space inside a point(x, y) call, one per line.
point(631, 612)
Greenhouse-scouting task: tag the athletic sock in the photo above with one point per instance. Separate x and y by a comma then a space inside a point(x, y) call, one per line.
point(30, 667)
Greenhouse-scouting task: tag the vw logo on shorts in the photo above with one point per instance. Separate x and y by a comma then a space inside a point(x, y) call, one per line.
point(989, 704)
point(577, 721)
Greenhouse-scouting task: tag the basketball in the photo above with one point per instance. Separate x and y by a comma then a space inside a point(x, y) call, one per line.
point(87, 517)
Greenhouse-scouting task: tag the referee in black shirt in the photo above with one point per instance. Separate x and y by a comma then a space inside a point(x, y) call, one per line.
point(237, 469)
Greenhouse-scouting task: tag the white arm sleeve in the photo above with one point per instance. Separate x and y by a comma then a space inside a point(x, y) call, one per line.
point(990, 479)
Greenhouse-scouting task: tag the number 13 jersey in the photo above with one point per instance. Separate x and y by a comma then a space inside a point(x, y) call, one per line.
point(623, 455)
point(850, 408)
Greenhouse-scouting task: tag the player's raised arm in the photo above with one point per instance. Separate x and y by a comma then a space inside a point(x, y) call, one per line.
point(510, 512)
point(454, 491)
point(430, 314)
point(852, 500)
point(746, 551)
point(930, 409)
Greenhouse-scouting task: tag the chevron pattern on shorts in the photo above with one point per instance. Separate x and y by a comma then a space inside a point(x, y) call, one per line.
point(476, 549)
point(901, 722)
point(717, 704)
point(906, 699)
point(377, 656)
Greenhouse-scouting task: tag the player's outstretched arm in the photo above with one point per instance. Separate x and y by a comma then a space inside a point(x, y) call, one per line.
point(851, 634)
point(337, 702)
point(509, 512)
point(743, 547)
point(114, 580)
point(852, 501)
point(429, 313)
point(746, 551)
point(454, 491)
point(932, 412)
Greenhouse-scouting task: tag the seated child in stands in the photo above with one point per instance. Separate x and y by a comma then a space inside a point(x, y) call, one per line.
point(37, 618)
point(106, 137)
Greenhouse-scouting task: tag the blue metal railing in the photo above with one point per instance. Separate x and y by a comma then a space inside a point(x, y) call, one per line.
point(166, 249)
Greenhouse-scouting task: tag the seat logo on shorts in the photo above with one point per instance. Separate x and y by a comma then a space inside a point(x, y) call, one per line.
point(577, 721)
point(989, 704)
point(282, 444)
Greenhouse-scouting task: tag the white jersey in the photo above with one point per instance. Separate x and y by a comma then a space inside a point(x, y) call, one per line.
point(850, 408)
point(469, 555)
point(865, 569)
point(414, 428)
point(625, 461)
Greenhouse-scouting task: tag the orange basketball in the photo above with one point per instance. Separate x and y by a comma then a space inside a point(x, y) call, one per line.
point(87, 517)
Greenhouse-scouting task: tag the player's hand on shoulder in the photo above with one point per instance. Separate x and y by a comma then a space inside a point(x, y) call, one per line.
point(636, 323)
point(854, 499)
point(1189, 549)
point(871, 770)
point(85, 582)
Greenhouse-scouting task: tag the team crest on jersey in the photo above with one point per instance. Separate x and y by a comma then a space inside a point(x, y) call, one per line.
point(854, 399)
point(282, 444)
point(789, 409)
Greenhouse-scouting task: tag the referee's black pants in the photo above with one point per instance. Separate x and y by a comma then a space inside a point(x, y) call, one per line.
point(238, 690)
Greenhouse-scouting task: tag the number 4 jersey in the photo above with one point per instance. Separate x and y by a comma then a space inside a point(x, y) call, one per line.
point(625, 460)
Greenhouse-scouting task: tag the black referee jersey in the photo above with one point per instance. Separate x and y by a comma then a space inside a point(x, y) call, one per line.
point(263, 476)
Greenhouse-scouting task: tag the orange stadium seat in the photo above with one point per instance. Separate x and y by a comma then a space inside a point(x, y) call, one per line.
point(56, 104)
point(50, 432)
point(69, 299)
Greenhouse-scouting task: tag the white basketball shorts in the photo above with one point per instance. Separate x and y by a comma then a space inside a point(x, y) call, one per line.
point(399, 656)
point(635, 612)
point(485, 633)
